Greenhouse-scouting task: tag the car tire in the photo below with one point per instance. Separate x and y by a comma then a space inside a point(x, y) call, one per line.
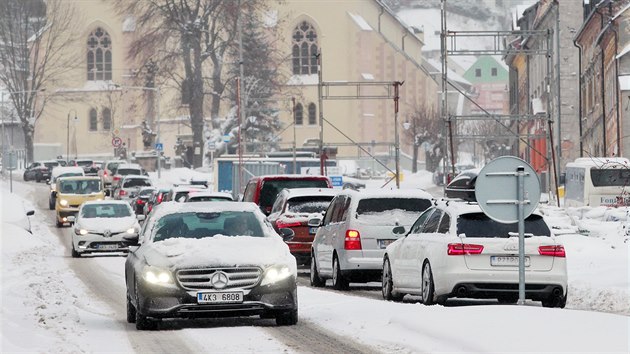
point(38, 178)
point(316, 280)
point(428, 288)
point(51, 204)
point(25, 177)
point(388, 284)
point(288, 318)
point(143, 323)
point(339, 282)
point(554, 301)
point(74, 252)
point(131, 311)
point(59, 224)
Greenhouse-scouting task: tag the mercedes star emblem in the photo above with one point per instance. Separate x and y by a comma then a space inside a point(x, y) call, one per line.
point(219, 280)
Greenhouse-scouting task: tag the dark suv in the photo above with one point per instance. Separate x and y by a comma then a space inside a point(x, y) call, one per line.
point(39, 170)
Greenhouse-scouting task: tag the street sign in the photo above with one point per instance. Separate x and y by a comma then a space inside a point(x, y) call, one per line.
point(496, 189)
point(10, 161)
point(337, 181)
point(211, 146)
point(116, 142)
point(159, 146)
point(226, 138)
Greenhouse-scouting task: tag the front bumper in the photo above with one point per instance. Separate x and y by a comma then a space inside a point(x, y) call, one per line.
point(174, 302)
point(63, 213)
point(98, 243)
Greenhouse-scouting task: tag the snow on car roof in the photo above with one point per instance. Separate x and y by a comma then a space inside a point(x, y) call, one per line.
point(135, 176)
point(106, 202)
point(204, 193)
point(387, 193)
point(171, 207)
point(66, 169)
point(461, 207)
point(129, 165)
point(305, 192)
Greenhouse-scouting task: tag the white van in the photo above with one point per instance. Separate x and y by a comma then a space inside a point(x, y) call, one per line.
point(58, 172)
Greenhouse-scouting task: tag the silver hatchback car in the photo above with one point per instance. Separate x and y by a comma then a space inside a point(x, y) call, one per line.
point(357, 227)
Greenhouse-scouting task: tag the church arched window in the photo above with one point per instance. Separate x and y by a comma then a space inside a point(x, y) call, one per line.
point(99, 55)
point(304, 49)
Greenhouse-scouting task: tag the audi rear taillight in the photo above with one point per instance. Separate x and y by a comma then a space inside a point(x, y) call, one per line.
point(353, 240)
point(552, 250)
point(459, 249)
point(284, 224)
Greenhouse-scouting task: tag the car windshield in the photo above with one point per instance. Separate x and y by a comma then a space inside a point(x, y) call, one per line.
point(391, 211)
point(310, 204)
point(207, 224)
point(128, 171)
point(137, 182)
point(271, 188)
point(105, 211)
point(480, 225)
point(80, 186)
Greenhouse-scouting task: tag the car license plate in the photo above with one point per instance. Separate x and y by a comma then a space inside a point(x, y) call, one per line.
point(234, 297)
point(506, 261)
point(312, 230)
point(108, 247)
point(385, 243)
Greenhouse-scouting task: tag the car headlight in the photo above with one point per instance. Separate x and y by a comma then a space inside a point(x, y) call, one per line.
point(157, 276)
point(133, 230)
point(275, 274)
point(63, 202)
point(80, 232)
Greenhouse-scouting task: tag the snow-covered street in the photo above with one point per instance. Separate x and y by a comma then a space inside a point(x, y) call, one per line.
point(53, 303)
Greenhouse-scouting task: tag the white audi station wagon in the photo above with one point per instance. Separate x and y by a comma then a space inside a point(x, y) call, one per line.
point(455, 250)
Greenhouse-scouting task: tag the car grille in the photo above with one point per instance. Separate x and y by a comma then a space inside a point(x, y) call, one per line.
point(199, 279)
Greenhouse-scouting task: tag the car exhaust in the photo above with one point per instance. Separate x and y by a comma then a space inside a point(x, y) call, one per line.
point(462, 291)
point(557, 292)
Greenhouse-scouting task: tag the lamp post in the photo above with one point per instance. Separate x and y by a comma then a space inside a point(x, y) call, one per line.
point(68, 133)
point(157, 119)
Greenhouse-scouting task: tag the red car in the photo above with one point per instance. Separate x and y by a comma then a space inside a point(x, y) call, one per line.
point(292, 209)
point(262, 190)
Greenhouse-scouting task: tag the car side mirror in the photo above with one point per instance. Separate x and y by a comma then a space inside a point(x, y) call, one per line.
point(107, 193)
point(48, 181)
point(72, 218)
point(315, 222)
point(287, 234)
point(30, 213)
point(140, 217)
point(130, 240)
point(399, 230)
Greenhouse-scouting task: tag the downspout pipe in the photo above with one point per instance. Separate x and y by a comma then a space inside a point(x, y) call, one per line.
point(602, 88)
point(379, 18)
point(617, 99)
point(579, 95)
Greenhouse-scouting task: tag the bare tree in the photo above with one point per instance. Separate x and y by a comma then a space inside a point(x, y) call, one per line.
point(33, 34)
point(195, 36)
point(423, 126)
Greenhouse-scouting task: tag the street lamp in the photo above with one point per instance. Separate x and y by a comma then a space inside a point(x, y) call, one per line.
point(157, 119)
point(68, 133)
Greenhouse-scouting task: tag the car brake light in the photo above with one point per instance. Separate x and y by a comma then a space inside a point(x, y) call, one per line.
point(552, 250)
point(105, 173)
point(459, 249)
point(122, 192)
point(116, 178)
point(159, 198)
point(353, 240)
point(281, 225)
point(139, 201)
point(150, 207)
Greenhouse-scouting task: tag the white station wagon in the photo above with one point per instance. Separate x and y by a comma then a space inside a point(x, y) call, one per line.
point(455, 250)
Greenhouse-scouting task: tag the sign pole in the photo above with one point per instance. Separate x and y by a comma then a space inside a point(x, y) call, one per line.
point(520, 176)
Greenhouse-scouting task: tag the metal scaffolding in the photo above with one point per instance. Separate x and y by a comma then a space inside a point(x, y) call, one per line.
point(452, 44)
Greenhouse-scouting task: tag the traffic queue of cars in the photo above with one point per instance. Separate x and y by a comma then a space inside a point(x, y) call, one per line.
point(198, 253)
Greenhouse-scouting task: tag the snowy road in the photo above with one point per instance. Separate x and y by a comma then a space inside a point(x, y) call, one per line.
point(52, 303)
point(104, 276)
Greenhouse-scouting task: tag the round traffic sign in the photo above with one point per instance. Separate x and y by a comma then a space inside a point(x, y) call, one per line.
point(496, 189)
point(116, 142)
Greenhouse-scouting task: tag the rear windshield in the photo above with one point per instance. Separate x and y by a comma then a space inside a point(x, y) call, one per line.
point(380, 205)
point(610, 177)
point(271, 188)
point(113, 166)
point(50, 165)
point(308, 204)
point(85, 163)
point(146, 192)
point(105, 211)
point(128, 171)
point(208, 198)
point(480, 225)
point(137, 182)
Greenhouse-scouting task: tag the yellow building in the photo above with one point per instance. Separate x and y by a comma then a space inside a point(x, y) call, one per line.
point(360, 41)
